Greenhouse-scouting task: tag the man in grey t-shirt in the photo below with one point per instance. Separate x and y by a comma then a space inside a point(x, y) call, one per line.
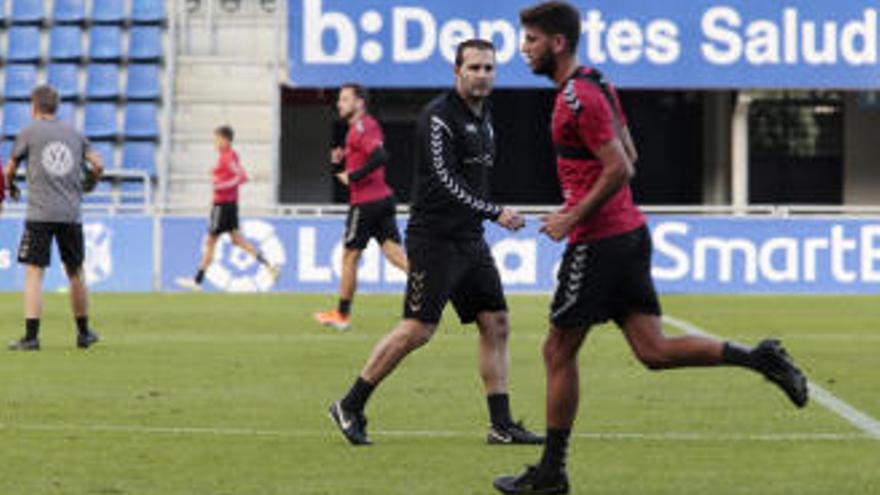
point(57, 158)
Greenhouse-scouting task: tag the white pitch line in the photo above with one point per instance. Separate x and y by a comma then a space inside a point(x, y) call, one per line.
point(823, 397)
point(252, 432)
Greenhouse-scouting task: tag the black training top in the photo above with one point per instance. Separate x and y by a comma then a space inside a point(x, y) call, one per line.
point(450, 185)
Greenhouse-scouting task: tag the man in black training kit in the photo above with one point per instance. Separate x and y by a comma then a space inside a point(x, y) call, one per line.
point(606, 269)
point(57, 173)
point(449, 259)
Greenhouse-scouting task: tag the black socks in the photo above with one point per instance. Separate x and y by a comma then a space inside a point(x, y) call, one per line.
point(82, 325)
point(499, 409)
point(356, 398)
point(200, 277)
point(737, 355)
point(344, 306)
point(32, 328)
point(556, 449)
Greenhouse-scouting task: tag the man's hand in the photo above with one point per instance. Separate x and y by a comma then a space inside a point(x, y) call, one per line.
point(511, 220)
point(337, 154)
point(343, 177)
point(14, 191)
point(557, 225)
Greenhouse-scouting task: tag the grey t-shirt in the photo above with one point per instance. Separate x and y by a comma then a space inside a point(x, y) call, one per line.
point(55, 153)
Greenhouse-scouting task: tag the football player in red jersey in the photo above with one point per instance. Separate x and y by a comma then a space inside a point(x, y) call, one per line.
point(606, 269)
point(361, 167)
point(227, 176)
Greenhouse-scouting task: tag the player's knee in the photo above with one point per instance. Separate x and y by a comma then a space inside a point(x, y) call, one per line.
point(557, 351)
point(497, 326)
point(73, 272)
point(653, 357)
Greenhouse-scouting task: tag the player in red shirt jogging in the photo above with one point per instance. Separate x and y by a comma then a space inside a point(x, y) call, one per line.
point(228, 176)
point(372, 210)
point(606, 269)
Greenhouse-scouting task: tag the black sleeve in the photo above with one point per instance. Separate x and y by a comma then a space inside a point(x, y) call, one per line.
point(377, 158)
point(438, 143)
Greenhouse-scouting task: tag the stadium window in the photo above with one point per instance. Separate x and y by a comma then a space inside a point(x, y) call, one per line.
point(231, 6)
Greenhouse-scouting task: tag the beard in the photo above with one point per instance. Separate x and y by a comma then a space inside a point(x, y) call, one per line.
point(545, 64)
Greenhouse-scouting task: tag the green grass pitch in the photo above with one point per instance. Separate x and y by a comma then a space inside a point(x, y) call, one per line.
point(227, 395)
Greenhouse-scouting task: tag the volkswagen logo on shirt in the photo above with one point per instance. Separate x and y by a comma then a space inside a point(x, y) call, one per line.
point(57, 159)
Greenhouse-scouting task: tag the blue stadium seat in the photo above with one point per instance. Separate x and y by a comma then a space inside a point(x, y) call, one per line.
point(65, 79)
point(23, 44)
point(105, 43)
point(141, 121)
point(101, 121)
point(132, 192)
point(148, 12)
point(139, 155)
point(102, 82)
point(20, 80)
point(108, 12)
point(143, 82)
point(101, 195)
point(6, 149)
point(145, 44)
point(28, 12)
point(69, 12)
point(67, 113)
point(16, 116)
point(65, 44)
point(3, 17)
point(107, 152)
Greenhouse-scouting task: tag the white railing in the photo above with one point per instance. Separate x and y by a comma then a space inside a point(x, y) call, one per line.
point(116, 201)
point(333, 210)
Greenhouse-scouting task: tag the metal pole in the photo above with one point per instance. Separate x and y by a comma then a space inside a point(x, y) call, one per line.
point(740, 153)
point(276, 108)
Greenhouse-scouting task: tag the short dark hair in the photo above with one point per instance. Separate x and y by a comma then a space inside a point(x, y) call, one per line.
point(225, 132)
point(555, 18)
point(479, 44)
point(358, 89)
point(45, 99)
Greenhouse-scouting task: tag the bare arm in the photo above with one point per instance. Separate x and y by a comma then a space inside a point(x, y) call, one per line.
point(617, 171)
point(629, 145)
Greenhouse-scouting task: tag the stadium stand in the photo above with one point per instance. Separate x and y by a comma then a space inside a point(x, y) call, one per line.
point(69, 12)
point(23, 44)
point(141, 121)
point(19, 80)
point(108, 12)
point(87, 49)
point(101, 121)
point(105, 44)
point(102, 82)
point(64, 78)
point(65, 44)
point(143, 83)
point(16, 115)
point(139, 155)
point(27, 12)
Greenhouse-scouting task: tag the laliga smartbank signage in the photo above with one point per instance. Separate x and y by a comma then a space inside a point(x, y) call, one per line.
point(691, 255)
point(647, 44)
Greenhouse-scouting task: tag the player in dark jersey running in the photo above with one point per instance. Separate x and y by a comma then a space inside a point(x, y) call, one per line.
point(606, 269)
point(372, 210)
point(448, 256)
point(227, 176)
point(57, 157)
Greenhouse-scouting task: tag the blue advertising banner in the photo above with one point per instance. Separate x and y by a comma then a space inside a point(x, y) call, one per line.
point(691, 255)
point(670, 44)
point(119, 255)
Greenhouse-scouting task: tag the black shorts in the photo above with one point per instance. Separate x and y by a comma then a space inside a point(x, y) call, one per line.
point(371, 220)
point(605, 280)
point(224, 218)
point(461, 271)
point(36, 244)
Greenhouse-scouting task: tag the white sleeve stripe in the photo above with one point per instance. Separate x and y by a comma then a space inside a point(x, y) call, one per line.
point(459, 193)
